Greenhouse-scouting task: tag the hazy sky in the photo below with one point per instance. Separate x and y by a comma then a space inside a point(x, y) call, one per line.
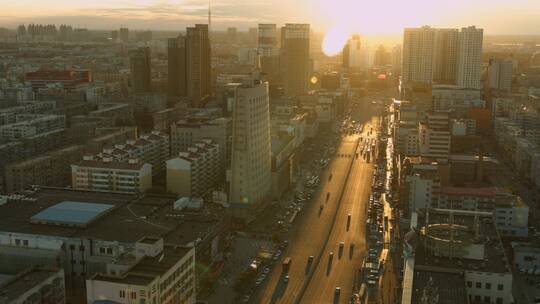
point(373, 16)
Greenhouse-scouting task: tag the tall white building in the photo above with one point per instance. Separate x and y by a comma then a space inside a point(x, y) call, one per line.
point(444, 56)
point(469, 63)
point(500, 74)
point(352, 57)
point(446, 50)
point(418, 55)
point(250, 178)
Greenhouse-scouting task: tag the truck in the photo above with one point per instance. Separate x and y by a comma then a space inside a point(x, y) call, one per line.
point(286, 264)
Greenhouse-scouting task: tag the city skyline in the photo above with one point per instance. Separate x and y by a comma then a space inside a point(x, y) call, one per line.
point(521, 17)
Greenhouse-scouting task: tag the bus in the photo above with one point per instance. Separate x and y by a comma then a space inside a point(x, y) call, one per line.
point(286, 264)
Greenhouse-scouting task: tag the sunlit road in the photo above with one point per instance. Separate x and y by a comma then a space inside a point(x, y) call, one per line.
point(318, 233)
point(341, 271)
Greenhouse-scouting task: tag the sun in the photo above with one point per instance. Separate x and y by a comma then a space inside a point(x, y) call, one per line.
point(334, 40)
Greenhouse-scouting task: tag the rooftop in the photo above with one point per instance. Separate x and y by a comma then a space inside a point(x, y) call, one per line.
point(493, 256)
point(19, 284)
point(110, 164)
point(71, 213)
point(447, 286)
point(138, 217)
point(148, 268)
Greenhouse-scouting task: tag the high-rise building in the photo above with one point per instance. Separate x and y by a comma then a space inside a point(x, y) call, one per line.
point(124, 34)
point(140, 70)
point(189, 65)
point(114, 36)
point(351, 54)
point(177, 79)
point(469, 63)
point(446, 47)
point(445, 56)
point(268, 52)
point(418, 55)
point(500, 74)
point(396, 59)
point(252, 36)
point(232, 34)
point(295, 61)
point(382, 56)
point(251, 168)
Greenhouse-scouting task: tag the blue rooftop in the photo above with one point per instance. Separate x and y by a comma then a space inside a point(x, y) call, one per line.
point(71, 213)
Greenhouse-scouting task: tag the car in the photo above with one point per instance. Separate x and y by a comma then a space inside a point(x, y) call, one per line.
point(266, 270)
point(286, 279)
point(310, 258)
point(337, 291)
point(341, 245)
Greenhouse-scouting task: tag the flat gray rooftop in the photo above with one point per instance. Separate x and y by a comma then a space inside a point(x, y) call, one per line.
point(71, 213)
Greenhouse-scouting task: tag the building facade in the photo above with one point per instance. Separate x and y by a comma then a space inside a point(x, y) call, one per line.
point(196, 171)
point(250, 179)
point(295, 60)
point(109, 175)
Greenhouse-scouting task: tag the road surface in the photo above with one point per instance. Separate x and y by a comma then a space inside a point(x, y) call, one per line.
point(318, 233)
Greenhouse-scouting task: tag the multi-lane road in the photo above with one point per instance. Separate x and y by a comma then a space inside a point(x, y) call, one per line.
point(344, 190)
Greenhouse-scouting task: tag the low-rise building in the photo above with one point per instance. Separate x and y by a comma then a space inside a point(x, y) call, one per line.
point(9, 115)
point(79, 232)
point(163, 276)
point(526, 256)
point(196, 171)
point(185, 133)
point(510, 213)
point(107, 174)
point(37, 285)
point(152, 148)
point(282, 163)
point(435, 137)
point(27, 125)
point(458, 246)
point(52, 169)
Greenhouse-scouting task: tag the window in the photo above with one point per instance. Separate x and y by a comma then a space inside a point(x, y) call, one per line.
point(122, 294)
point(478, 284)
point(477, 298)
point(17, 242)
point(133, 295)
point(499, 301)
point(469, 284)
point(109, 251)
point(101, 250)
point(488, 286)
point(25, 242)
point(500, 287)
point(487, 299)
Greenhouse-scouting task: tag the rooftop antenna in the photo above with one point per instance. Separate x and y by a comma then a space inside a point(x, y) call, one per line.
point(209, 17)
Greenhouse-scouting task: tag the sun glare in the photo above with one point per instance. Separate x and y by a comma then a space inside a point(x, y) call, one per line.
point(335, 39)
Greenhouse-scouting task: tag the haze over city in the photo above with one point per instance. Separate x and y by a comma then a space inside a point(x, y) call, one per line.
point(368, 17)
